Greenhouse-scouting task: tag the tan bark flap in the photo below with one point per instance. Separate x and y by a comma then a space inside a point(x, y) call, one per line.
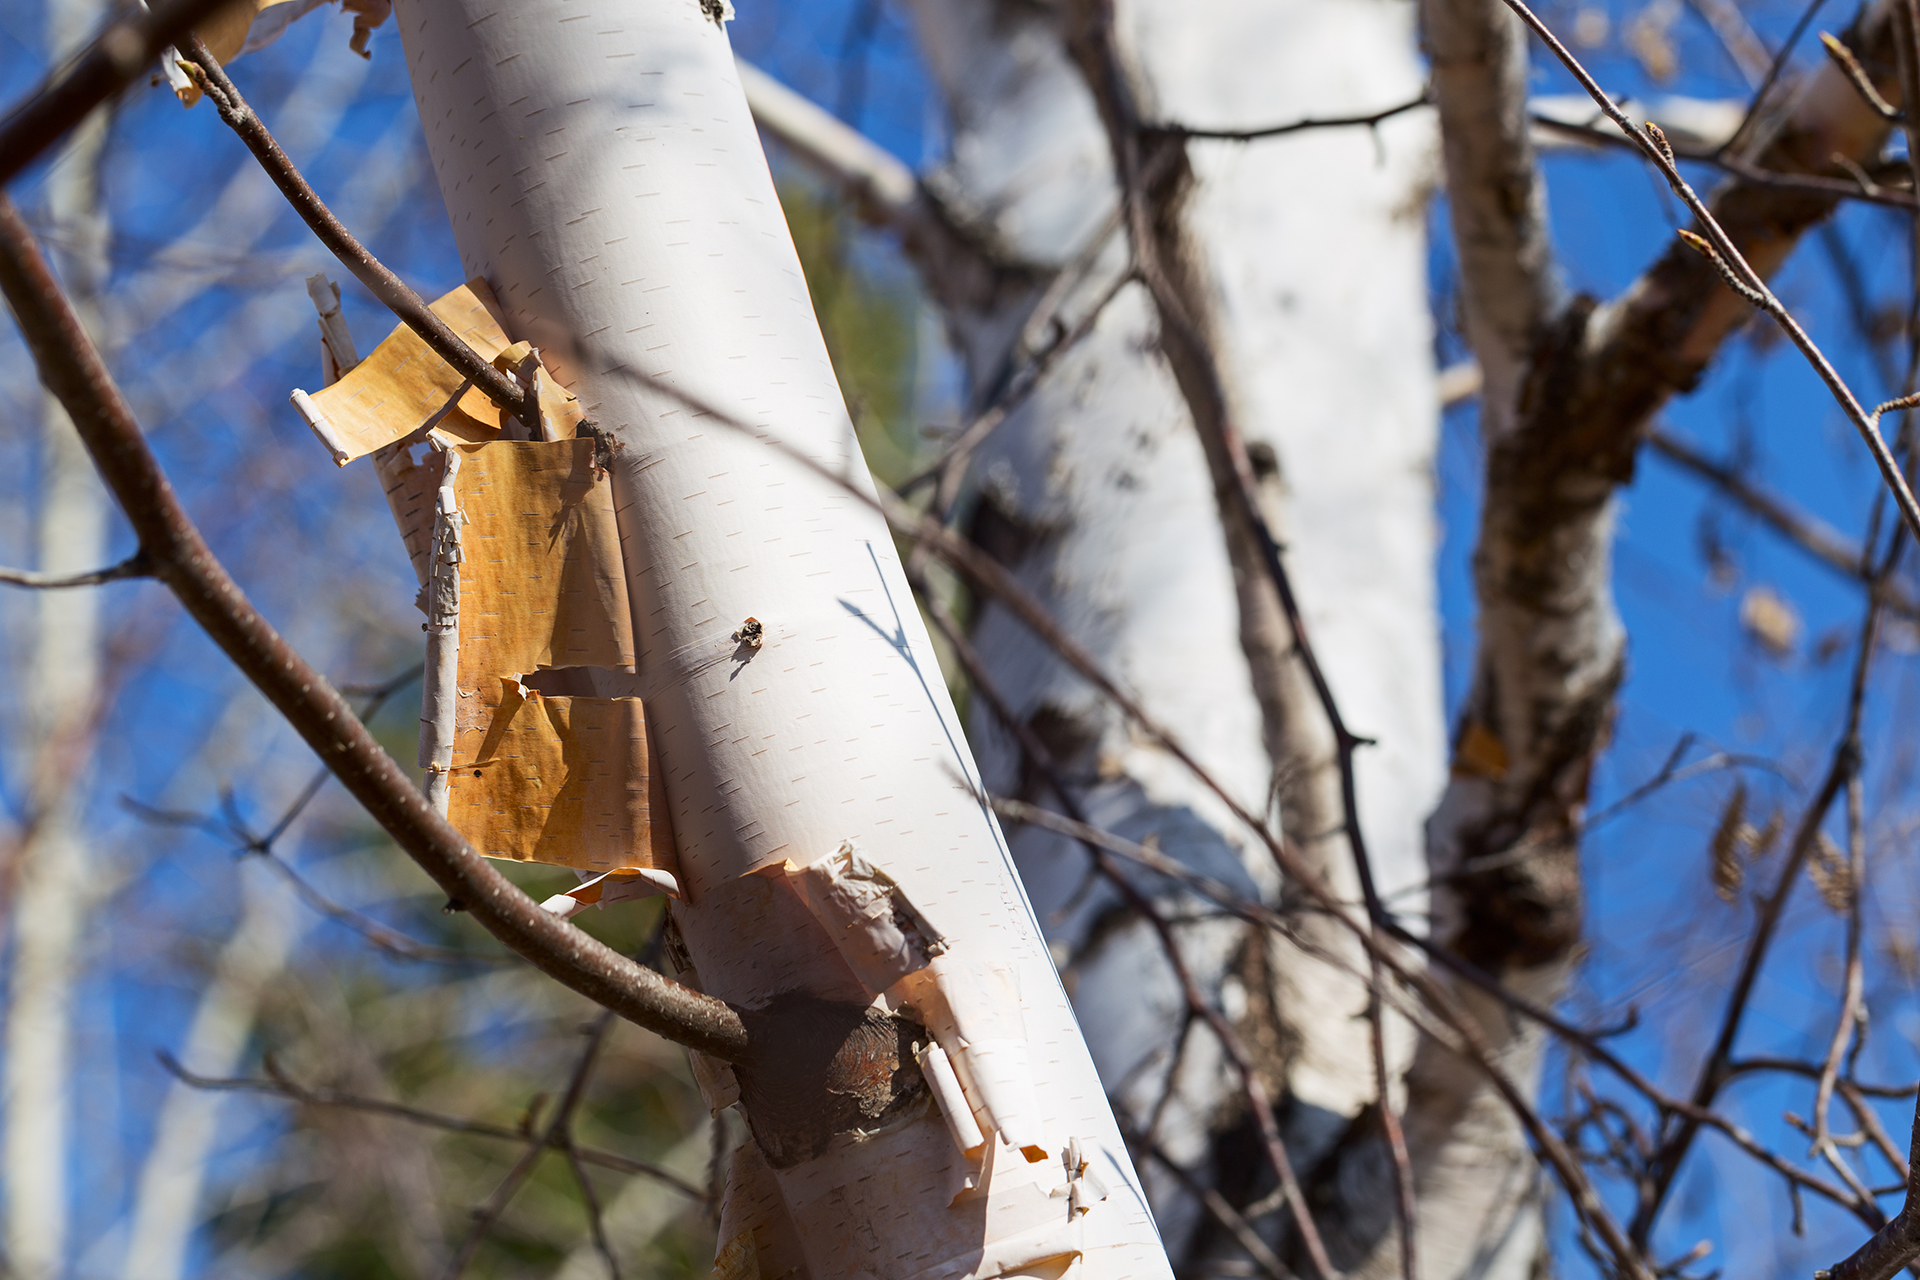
point(402, 385)
point(564, 780)
point(541, 583)
point(548, 764)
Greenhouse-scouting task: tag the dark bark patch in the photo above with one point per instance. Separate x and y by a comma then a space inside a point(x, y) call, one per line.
point(823, 1068)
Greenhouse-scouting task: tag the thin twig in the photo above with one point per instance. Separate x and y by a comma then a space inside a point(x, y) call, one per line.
point(134, 566)
point(1780, 60)
point(1585, 1043)
point(1735, 268)
point(112, 62)
point(1216, 1206)
point(1844, 762)
point(1896, 1244)
point(1850, 993)
point(279, 1086)
point(556, 1133)
point(1740, 167)
point(987, 575)
point(596, 1223)
point(1369, 120)
point(354, 256)
point(1857, 76)
point(1803, 531)
point(1261, 1107)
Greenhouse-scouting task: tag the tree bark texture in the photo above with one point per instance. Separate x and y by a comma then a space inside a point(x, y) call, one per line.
point(1504, 845)
point(1097, 494)
point(602, 173)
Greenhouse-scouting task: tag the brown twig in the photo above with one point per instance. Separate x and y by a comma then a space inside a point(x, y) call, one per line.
point(1841, 767)
point(279, 1086)
point(112, 62)
point(1893, 1246)
point(134, 566)
point(1230, 1219)
point(1733, 163)
point(987, 575)
point(556, 1134)
point(1842, 57)
point(243, 839)
point(1582, 1042)
point(1790, 1066)
point(1852, 984)
point(354, 256)
point(1734, 266)
point(1810, 535)
point(1368, 120)
point(71, 367)
point(596, 1222)
point(1196, 369)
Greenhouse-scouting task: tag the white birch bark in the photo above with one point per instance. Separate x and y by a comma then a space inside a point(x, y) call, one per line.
point(173, 1176)
point(53, 890)
point(601, 171)
point(1098, 494)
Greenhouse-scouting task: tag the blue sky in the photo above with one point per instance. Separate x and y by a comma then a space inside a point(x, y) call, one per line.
point(1660, 942)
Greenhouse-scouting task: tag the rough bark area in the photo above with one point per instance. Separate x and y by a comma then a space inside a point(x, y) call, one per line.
point(1504, 843)
point(604, 177)
point(1098, 494)
point(1496, 199)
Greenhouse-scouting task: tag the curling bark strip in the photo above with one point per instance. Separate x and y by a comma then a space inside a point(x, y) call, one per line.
point(73, 371)
point(603, 176)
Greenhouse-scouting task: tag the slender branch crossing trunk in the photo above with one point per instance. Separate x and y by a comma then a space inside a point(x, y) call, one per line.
point(1097, 494)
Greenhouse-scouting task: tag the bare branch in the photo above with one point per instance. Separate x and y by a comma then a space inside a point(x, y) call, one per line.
point(1560, 122)
point(956, 263)
point(1842, 766)
point(134, 566)
point(279, 1086)
point(1810, 535)
point(353, 255)
point(1369, 120)
point(558, 1133)
point(1198, 1007)
point(1737, 37)
point(1733, 265)
point(72, 369)
point(111, 63)
point(1894, 1245)
point(988, 576)
point(1857, 77)
point(1495, 196)
point(1856, 186)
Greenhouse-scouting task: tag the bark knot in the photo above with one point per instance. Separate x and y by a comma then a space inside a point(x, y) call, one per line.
point(823, 1068)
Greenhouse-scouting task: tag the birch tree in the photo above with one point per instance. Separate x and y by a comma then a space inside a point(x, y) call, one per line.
point(1193, 486)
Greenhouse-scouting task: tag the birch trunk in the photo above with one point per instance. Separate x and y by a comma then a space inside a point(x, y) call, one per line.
point(167, 1200)
point(1097, 493)
point(53, 886)
point(602, 173)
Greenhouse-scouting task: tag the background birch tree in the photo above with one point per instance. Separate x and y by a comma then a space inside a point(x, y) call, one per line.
point(1195, 298)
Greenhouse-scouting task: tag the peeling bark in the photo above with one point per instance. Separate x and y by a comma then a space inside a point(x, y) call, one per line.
point(607, 183)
